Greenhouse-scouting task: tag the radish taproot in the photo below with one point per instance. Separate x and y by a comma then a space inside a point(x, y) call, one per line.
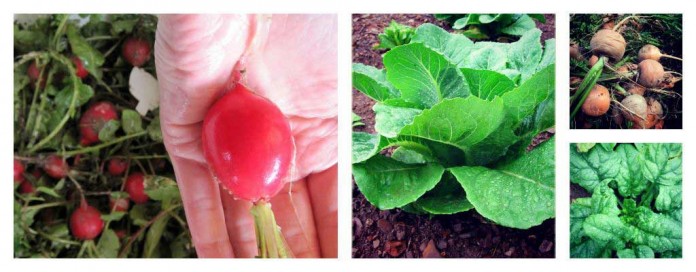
point(86, 222)
point(607, 42)
point(136, 51)
point(597, 102)
point(94, 119)
point(250, 151)
point(651, 73)
point(80, 70)
point(651, 52)
point(18, 171)
point(135, 186)
point(117, 166)
point(26, 187)
point(635, 108)
point(56, 167)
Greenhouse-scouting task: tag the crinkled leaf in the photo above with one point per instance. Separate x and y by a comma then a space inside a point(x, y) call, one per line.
point(389, 120)
point(131, 121)
point(366, 145)
point(606, 230)
point(590, 169)
point(388, 183)
point(373, 82)
point(108, 131)
point(659, 166)
point(658, 231)
point(487, 84)
point(580, 209)
point(424, 77)
point(630, 178)
point(517, 194)
point(584, 147)
point(590, 249)
point(455, 47)
point(668, 198)
point(604, 201)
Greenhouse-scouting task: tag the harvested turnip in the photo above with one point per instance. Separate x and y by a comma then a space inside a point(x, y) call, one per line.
point(651, 52)
point(635, 89)
point(597, 102)
point(607, 42)
point(575, 52)
point(654, 115)
point(635, 108)
point(651, 73)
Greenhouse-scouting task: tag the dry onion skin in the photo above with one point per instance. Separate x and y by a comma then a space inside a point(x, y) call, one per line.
point(597, 102)
point(651, 73)
point(637, 108)
point(607, 42)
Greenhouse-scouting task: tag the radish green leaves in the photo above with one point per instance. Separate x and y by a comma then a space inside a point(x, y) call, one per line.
point(461, 115)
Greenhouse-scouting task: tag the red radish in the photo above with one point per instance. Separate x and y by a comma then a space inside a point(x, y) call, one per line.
point(26, 187)
point(18, 171)
point(249, 148)
point(94, 119)
point(135, 186)
point(136, 51)
point(34, 72)
point(248, 144)
point(120, 233)
point(597, 102)
point(117, 166)
point(80, 70)
point(86, 222)
point(119, 204)
point(56, 167)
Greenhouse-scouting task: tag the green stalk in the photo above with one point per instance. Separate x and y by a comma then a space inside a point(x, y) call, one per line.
point(586, 86)
point(269, 239)
point(102, 145)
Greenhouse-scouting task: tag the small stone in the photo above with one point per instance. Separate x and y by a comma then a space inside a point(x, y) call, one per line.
point(384, 225)
point(394, 248)
point(510, 251)
point(430, 251)
point(546, 246)
point(375, 243)
point(357, 227)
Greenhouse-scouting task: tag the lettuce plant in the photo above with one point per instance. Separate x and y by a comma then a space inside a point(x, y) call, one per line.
point(485, 26)
point(636, 206)
point(456, 118)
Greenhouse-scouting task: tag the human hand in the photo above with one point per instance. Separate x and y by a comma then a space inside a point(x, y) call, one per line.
point(289, 59)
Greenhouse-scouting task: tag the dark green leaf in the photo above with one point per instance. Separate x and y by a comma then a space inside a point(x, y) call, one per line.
point(161, 188)
point(487, 84)
point(154, 235)
point(108, 132)
point(91, 58)
point(131, 121)
point(154, 131)
point(590, 169)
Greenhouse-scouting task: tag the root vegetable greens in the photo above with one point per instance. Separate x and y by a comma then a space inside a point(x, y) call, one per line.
point(635, 210)
point(460, 116)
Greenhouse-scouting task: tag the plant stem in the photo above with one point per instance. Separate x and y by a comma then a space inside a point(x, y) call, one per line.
point(672, 57)
point(269, 239)
point(59, 31)
point(102, 145)
point(45, 205)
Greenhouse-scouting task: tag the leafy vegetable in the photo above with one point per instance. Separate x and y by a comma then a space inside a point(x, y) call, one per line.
point(486, 26)
point(462, 115)
point(635, 208)
point(394, 35)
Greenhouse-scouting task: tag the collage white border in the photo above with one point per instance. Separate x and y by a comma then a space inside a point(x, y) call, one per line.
point(344, 9)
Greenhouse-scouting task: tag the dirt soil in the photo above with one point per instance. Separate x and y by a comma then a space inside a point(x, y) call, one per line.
point(398, 234)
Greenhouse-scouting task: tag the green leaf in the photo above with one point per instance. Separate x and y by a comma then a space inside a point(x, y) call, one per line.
point(520, 26)
point(424, 77)
point(659, 166)
point(668, 198)
point(64, 97)
point(487, 84)
point(447, 197)
point(580, 209)
point(590, 169)
point(460, 122)
point(471, 19)
point(366, 145)
point(455, 47)
point(154, 131)
point(373, 82)
point(108, 244)
point(590, 249)
point(108, 132)
point(389, 120)
point(113, 216)
point(584, 147)
point(630, 177)
point(154, 235)
point(48, 191)
point(488, 58)
point(123, 25)
point(528, 104)
point(161, 188)
point(388, 183)
point(658, 231)
point(604, 201)
point(91, 58)
point(138, 215)
point(408, 156)
point(606, 229)
point(549, 56)
point(132, 123)
point(518, 194)
point(525, 54)
point(394, 35)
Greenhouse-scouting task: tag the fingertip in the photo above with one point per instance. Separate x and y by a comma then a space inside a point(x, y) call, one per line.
point(323, 191)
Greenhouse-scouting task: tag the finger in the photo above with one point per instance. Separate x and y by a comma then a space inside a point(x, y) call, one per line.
point(204, 213)
point(323, 193)
point(293, 212)
point(195, 56)
point(315, 144)
point(240, 226)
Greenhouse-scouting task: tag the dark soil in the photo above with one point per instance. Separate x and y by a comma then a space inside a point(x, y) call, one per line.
point(395, 233)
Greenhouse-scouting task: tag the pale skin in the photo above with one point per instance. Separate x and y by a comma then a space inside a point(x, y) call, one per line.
point(291, 60)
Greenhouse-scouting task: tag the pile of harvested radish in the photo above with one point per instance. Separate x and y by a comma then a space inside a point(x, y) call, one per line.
point(626, 71)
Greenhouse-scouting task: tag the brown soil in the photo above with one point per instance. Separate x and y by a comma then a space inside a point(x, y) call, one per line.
point(395, 233)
